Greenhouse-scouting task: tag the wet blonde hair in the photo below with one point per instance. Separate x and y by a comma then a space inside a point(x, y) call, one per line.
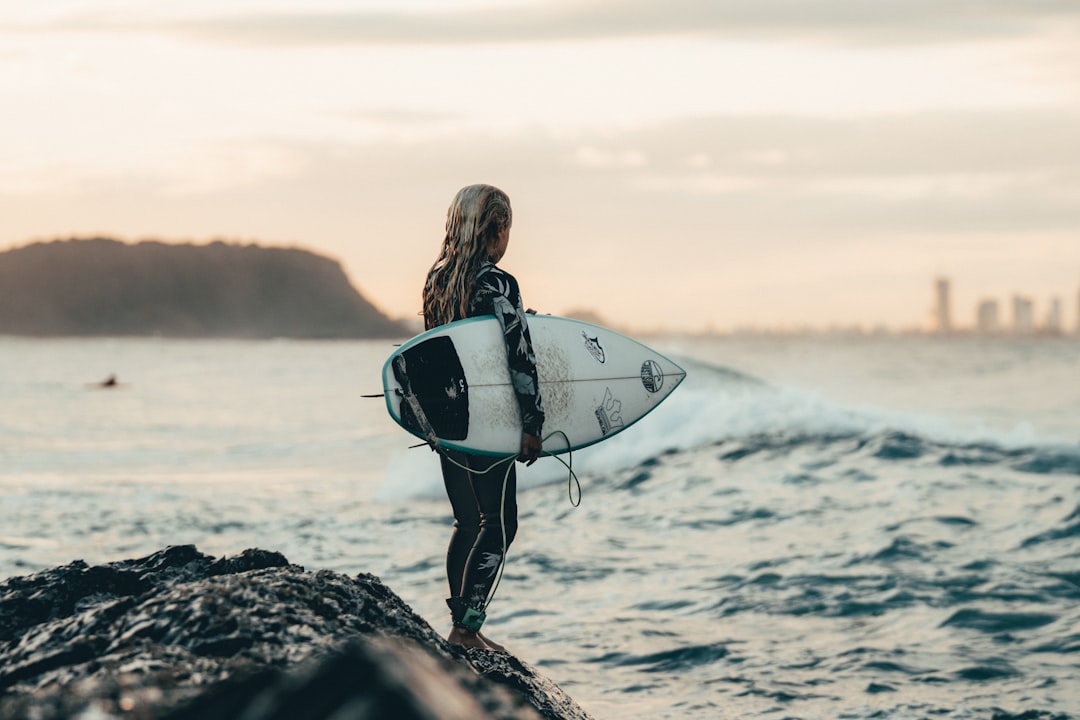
point(473, 223)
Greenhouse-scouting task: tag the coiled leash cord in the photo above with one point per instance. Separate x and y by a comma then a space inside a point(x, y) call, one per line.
point(433, 442)
point(571, 481)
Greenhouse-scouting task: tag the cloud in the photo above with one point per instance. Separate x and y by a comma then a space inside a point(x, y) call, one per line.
point(590, 156)
point(781, 204)
point(925, 173)
point(1007, 141)
point(832, 21)
point(763, 175)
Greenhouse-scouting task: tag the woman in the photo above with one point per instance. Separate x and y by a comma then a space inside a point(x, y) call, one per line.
point(465, 282)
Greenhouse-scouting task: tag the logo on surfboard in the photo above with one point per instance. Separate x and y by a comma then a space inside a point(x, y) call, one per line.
point(609, 414)
point(592, 344)
point(652, 377)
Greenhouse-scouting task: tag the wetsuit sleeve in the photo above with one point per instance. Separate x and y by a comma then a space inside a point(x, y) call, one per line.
point(497, 294)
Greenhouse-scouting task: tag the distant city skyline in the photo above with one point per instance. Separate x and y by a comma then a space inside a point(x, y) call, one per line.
point(987, 317)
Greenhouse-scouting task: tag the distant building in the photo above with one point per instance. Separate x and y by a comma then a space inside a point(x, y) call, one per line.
point(942, 319)
point(987, 320)
point(1023, 315)
point(1053, 316)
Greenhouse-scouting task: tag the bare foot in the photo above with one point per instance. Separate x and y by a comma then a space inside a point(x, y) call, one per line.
point(461, 636)
point(491, 644)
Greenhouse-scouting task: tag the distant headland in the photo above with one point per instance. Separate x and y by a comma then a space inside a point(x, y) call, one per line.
point(101, 286)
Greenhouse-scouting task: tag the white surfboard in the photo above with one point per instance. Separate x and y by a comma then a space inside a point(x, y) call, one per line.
point(594, 383)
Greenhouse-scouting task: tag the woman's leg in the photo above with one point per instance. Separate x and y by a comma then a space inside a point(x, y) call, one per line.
point(466, 517)
point(485, 523)
point(497, 507)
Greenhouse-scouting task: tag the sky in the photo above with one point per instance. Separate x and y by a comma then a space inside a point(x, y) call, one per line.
point(684, 165)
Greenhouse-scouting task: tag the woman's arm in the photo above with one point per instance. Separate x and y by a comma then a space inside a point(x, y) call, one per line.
point(497, 294)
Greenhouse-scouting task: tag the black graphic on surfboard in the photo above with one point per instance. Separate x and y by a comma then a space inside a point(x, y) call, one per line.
point(437, 380)
point(609, 414)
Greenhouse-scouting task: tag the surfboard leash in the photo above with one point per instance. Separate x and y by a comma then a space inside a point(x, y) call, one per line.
point(509, 460)
point(571, 477)
point(432, 442)
point(571, 481)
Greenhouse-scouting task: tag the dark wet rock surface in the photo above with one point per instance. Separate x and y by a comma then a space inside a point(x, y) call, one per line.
point(180, 634)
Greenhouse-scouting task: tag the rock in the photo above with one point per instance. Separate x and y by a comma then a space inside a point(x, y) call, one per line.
point(181, 635)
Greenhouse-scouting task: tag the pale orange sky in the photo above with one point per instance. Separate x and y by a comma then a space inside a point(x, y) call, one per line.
point(672, 164)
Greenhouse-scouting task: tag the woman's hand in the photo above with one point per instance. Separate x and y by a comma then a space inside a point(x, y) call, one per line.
point(531, 446)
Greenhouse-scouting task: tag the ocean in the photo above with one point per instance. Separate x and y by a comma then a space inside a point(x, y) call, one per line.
point(826, 527)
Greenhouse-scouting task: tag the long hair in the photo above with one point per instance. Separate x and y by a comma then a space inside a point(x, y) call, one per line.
point(473, 223)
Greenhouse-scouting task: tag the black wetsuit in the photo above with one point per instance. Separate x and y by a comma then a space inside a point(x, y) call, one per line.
point(485, 511)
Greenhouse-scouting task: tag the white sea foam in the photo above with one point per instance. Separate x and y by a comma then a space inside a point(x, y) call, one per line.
point(716, 404)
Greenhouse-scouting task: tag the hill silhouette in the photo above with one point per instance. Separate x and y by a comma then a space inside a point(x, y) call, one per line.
point(101, 286)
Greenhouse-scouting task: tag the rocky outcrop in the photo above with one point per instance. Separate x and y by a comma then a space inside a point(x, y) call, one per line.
point(181, 635)
point(104, 287)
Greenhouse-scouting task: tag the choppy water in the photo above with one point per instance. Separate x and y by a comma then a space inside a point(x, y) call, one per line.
point(808, 528)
